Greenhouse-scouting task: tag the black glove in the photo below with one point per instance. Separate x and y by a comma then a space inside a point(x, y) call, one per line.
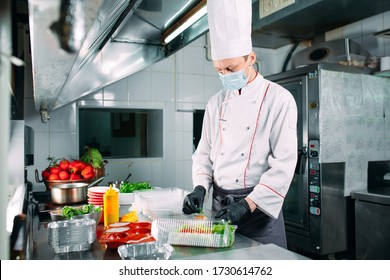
point(193, 202)
point(235, 212)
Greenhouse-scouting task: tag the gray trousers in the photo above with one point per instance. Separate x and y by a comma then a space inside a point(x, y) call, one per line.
point(258, 226)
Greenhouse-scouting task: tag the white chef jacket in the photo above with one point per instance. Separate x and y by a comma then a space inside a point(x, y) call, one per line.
point(249, 140)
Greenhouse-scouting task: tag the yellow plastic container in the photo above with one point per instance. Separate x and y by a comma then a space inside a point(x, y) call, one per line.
point(111, 206)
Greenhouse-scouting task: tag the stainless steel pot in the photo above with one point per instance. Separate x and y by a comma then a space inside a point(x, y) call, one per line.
point(71, 192)
point(116, 184)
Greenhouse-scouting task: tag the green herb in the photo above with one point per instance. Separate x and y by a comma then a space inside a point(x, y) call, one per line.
point(69, 212)
point(127, 187)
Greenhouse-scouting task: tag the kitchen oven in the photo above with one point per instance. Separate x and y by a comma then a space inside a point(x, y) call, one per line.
point(332, 153)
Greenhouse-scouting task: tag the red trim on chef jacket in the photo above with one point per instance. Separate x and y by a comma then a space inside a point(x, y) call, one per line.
point(272, 190)
point(254, 134)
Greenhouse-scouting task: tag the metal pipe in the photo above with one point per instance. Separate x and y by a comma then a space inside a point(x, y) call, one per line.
point(70, 27)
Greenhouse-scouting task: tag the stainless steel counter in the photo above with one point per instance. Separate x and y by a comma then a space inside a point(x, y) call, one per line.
point(242, 249)
point(374, 195)
point(372, 223)
point(255, 252)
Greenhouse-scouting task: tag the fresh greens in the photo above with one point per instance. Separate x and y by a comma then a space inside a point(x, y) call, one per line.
point(93, 157)
point(218, 235)
point(127, 187)
point(69, 212)
point(216, 229)
point(220, 229)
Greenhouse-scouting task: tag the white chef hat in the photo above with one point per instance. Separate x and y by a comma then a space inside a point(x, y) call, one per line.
point(230, 26)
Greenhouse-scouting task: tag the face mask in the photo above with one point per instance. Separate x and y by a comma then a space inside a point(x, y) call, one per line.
point(235, 80)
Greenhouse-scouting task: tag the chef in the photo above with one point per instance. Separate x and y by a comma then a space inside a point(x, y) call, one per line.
point(247, 153)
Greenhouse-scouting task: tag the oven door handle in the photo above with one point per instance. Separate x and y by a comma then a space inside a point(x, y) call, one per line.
point(301, 162)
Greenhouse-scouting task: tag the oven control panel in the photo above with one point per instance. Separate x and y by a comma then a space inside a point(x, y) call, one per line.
point(314, 178)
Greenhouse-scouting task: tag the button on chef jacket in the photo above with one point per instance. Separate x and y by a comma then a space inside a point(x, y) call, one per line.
point(245, 143)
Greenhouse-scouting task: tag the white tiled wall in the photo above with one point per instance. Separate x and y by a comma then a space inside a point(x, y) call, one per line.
point(184, 81)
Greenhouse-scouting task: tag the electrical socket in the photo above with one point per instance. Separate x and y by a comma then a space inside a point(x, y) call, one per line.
point(268, 7)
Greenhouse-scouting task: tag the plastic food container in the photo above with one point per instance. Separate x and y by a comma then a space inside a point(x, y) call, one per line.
point(56, 215)
point(71, 235)
point(128, 198)
point(197, 233)
point(118, 234)
point(145, 251)
point(165, 202)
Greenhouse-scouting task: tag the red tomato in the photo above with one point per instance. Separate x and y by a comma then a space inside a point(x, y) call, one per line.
point(64, 164)
point(74, 176)
point(53, 176)
point(64, 175)
point(54, 169)
point(45, 174)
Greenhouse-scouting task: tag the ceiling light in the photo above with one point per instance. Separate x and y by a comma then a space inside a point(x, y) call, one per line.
point(189, 19)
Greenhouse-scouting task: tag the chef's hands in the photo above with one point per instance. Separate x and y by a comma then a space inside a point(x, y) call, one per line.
point(193, 202)
point(235, 212)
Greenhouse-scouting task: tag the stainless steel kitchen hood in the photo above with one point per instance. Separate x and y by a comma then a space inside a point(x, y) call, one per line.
point(304, 19)
point(80, 46)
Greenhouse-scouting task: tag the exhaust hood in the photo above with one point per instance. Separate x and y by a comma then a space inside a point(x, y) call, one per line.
point(299, 20)
point(80, 46)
